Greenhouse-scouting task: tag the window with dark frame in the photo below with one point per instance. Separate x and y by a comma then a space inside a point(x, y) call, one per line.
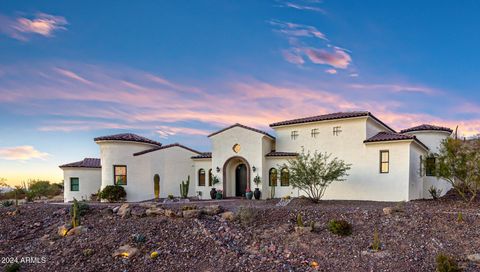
point(74, 184)
point(201, 177)
point(337, 130)
point(384, 161)
point(314, 133)
point(210, 177)
point(285, 177)
point(272, 177)
point(120, 174)
point(430, 166)
point(294, 135)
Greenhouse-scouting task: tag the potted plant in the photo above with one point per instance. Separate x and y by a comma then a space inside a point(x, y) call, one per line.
point(219, 194)
point(257, 192)
point(249, 193)
point(213, 192)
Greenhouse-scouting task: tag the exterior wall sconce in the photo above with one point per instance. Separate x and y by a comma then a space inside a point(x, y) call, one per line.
point(218, 169)
point(254, 168)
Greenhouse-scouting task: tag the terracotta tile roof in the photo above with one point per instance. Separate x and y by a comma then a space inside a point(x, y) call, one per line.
point(390, 136)
point(281, 154)
point(165, 147)
point(128, 137)
point(427, 127)
point(330, 116)
point(85, 163)
point(242, 126)
point(204, 155)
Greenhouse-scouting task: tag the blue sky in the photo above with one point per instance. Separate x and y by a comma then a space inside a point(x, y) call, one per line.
point(175, 71)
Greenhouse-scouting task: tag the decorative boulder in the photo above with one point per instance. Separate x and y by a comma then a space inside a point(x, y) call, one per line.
point(230, 216)
point(212, 209)
point(170, 213)
point(192, 213)
point(126, 251)
point(138, 211)
point(303, 230)
point(62, 230)
point(77, 230)
point(124, 210)
point(474, 258)
point(154, 211)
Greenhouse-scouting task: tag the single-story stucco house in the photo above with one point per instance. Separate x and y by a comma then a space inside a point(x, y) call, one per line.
point(386, 165)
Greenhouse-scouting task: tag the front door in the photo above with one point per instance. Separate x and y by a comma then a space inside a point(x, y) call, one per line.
point(240, 180)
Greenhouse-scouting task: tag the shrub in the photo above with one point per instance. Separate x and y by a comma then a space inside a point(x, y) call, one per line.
point(434, 192)
point(446, 263)
point(7, 203)
point(170, 196)
point(313, 174)
point(460, 217)
point(247, 215)
point(113, 193)
point(83, 208)
point(300, 220)
point(376, 244)
point(39, 188)
point(339, 227)
point(13, 267)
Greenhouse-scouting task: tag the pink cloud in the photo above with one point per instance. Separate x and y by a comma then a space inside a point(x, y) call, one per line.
point(72, 75)
point(297, 30)
point(331, 71)
point(394, 88)
point(21, 153)
point(292, 57)
point(338, 58)
point(21, 27)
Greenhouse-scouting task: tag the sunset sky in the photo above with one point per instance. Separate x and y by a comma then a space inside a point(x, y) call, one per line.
point(174, 71)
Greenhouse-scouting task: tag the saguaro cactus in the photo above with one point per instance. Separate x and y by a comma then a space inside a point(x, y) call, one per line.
point(75, 214)
point(156, 185)
point(184, 188)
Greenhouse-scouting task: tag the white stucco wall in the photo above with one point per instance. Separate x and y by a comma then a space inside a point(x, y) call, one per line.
point(90, 180)
point(205, 164)
point(416, 172)
point(253, 149)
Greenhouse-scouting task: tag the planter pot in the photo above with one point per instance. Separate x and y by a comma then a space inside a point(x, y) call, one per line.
point(249, 195)
point(257, 193)
point(213, 193)
point(218, 195)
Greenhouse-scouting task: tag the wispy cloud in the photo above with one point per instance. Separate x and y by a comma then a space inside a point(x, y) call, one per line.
point(302, 5)
point(331, 71)
point(297, 30)
point(337, 58)
point(21, 28)
point(397, 88)
point(21, 153)
point(293, 57)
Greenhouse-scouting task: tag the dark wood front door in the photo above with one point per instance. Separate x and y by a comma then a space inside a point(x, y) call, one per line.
point(240, 180)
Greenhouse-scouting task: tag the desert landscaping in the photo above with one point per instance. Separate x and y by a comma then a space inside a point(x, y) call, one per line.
point(243, 235)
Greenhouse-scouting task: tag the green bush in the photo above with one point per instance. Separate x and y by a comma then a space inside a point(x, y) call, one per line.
point(7, 203)
point(446, 263)
point(39, 188)
point(83, 208)
point(13, 267)
point(113, 193)
point(339, 227)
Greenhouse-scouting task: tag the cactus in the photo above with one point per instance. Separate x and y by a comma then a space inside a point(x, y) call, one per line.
point(16, 199)
point(272, 192)
point(376, 245)
point(75, 215)
point(184, 188)
point(156, 185)
point(299, 220)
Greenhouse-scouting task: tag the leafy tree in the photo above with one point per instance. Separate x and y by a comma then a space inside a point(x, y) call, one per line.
point(38, 188)
point(458, 162)
point(3, 184)
point(314, 173)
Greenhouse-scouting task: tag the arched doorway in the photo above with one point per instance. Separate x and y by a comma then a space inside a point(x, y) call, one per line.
point(156, 186)
point(240, 180)
point(236, 177)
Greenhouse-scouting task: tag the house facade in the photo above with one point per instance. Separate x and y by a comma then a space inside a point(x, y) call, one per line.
point(385, 165)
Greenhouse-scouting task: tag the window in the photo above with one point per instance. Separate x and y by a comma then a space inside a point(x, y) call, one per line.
point(294, 135)
point(284, 177)
point(430, 166)
point(384, 161)
point(210, 177)
point(74, 184)
point(272, 177)
point(314, 133)
point(337, 130)
point(201, 177)
point(120, 174)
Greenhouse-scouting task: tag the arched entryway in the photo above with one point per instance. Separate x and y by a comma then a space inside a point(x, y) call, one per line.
point(236, 177)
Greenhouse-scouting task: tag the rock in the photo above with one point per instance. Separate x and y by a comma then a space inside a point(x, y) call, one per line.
point(388, 210)
point(148, 205)
point(154, 211)
point(115, 209)
point(124, 210)
point(230, 216)
point(37, 224)
point(303, 230)
point(77, 230)
point(392, 210)
point(170, 213)
point(126, 251)
point(474, 257)
point(317, 226)
point(138, 211)
point(212, 209)
point(192, 213)
point(60, 212)
point(88, 252)
point(62, 230)
point(107, 211)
